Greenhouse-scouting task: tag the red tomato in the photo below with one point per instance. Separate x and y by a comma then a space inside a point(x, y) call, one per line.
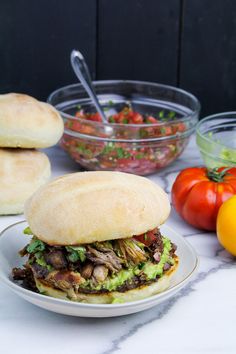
point(166, 131)
point(137, 118)
point(81, 128)
point(198, 193)
point(95, 117)
point(178, 127)
point(76, 126)
point(119, 118)
point(151, 119)
point(181, 127)
point(148, 238)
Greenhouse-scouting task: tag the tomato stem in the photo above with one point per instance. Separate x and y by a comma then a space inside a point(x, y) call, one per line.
point(217, 176)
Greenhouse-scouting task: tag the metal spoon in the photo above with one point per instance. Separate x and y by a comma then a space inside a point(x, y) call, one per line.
point(82, 72)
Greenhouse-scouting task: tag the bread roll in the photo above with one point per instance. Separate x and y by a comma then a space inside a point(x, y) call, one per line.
point(95, 206)
point(22, 172)
point(28, 123)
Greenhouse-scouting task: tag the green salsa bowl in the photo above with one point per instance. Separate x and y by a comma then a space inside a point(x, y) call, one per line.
point(216, 139)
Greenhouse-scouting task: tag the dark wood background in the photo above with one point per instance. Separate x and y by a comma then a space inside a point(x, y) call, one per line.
point(186, 43)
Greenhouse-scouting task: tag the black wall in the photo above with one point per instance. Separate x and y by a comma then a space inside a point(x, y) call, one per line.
point(186, 43)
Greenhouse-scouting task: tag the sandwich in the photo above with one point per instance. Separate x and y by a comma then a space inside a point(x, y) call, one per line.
point(95, 238)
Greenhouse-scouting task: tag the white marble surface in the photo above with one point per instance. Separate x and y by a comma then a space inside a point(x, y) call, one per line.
point(200, 319)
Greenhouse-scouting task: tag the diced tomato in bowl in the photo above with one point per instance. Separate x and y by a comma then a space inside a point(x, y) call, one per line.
point(134, 157)
point(148, 125)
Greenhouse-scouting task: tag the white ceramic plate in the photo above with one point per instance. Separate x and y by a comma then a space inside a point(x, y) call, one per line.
point(12, 240)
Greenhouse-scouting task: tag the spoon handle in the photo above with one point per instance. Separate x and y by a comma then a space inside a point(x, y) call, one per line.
point(82, 72)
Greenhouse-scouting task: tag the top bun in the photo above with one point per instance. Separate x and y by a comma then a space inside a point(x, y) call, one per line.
point(28, 123)
point(86, 207)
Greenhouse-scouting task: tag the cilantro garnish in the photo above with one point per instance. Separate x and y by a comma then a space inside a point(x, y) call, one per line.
point(76, 253)
point(35, 245)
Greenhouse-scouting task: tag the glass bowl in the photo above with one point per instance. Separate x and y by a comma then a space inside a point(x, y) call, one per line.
point(135, 148)
point(216, 139)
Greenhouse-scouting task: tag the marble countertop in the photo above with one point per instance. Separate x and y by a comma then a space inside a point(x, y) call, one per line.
point(199, 319)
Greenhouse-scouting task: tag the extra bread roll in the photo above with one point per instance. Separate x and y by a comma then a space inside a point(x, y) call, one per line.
point(22, 172)
point(86, 207)
point(28, 123)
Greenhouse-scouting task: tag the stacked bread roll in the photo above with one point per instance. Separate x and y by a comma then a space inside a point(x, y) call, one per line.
point(25, 125)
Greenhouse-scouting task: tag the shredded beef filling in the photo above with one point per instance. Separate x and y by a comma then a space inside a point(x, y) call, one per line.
point(106, 257)
point(56, 259)
point(85, 268)
point(26, 277)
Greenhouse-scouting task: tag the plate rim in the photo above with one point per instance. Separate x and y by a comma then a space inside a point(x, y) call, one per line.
point(29, 293)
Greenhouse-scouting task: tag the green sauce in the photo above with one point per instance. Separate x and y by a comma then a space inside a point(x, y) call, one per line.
point(151, 270)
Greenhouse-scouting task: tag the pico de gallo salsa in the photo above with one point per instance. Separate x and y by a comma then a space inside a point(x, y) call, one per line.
point(133, 156)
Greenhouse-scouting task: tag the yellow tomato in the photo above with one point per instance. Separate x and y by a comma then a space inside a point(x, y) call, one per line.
point(226, 225)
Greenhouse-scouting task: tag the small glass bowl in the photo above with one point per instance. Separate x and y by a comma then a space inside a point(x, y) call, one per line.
point(216, 139)
point(135, 148)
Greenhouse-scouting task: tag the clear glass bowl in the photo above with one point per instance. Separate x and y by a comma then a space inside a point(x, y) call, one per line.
point(135, 148)
point(216, 139)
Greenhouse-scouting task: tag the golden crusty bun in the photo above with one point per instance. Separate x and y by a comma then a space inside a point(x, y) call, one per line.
point(139, 293)
point(27, 123)
point(22, 172)
point(86, 207)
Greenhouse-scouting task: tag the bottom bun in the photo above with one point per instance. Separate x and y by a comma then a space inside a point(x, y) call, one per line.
point(139, 293)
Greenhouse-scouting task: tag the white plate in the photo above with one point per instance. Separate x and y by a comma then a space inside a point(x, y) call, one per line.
point(12, 240)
